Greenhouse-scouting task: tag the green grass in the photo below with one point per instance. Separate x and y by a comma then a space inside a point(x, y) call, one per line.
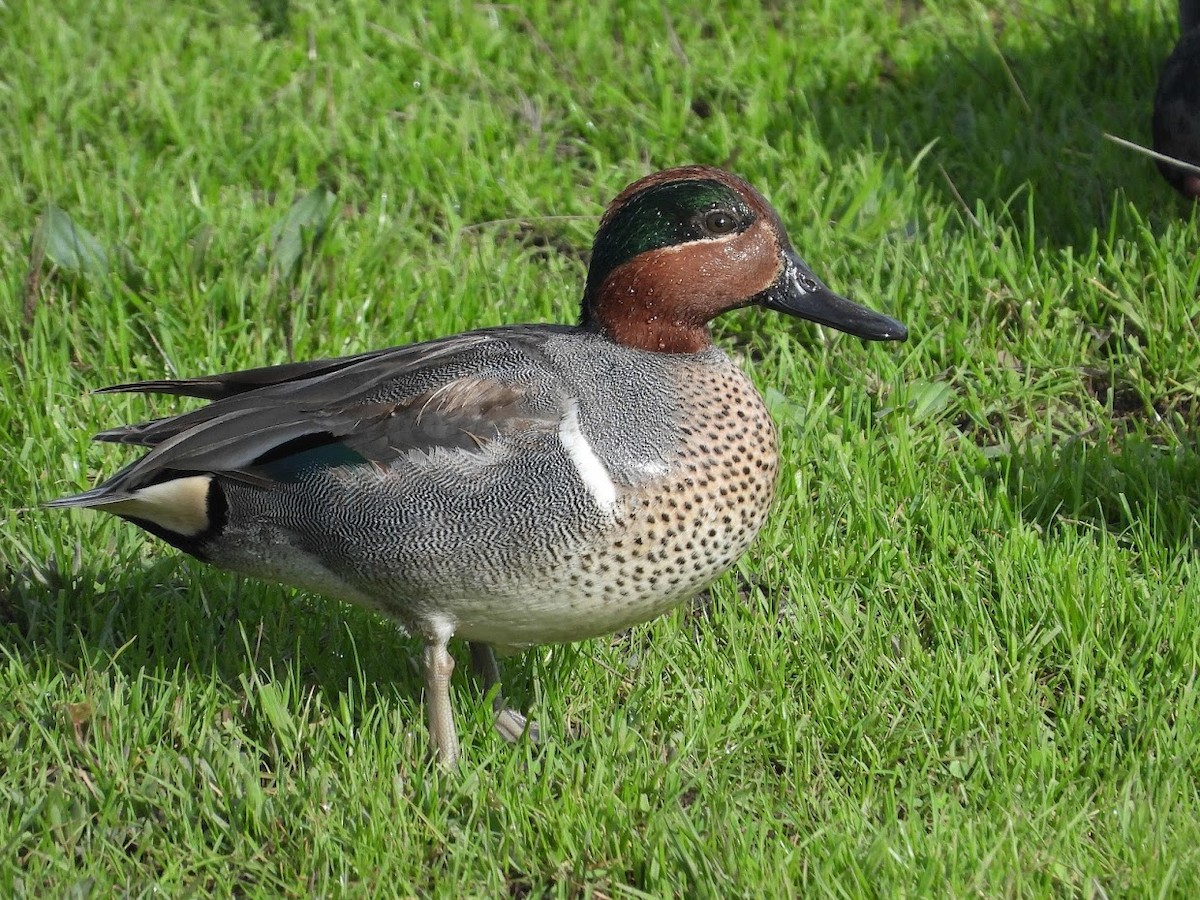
point(961, 659)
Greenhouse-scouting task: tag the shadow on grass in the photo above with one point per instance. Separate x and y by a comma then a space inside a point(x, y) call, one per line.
point(274, 17)
point(1010, 111)
point(1136, 487)
point(175, 614)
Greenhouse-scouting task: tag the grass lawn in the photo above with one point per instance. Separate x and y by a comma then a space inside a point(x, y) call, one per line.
point(961, 659)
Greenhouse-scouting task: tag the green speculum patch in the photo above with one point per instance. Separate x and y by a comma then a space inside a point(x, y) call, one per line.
point(289, 462)
point(660, 216)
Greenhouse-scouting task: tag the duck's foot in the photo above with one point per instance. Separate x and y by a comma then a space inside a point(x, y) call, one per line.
point(439, 665)
point(510, 724)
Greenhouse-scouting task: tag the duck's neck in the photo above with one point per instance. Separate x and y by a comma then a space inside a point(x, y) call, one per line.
point(646, 313)
point(648, 331)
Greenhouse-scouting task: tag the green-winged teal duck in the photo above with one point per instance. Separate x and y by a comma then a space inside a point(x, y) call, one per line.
point(1176, 120)
point(510, 486)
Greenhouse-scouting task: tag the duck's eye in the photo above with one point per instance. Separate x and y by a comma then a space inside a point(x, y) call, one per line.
point(717, 221)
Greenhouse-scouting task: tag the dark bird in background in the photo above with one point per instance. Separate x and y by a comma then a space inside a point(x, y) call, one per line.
point(1176, 122)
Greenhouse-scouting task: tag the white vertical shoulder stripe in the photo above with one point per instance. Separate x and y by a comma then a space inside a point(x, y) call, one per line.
point(595, 477)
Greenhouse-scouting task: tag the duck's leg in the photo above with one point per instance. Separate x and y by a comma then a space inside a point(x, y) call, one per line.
point(439, 665)
point(510, 723)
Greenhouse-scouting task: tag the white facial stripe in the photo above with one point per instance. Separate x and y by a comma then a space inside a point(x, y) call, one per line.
point(180, 505)
point(595, 477)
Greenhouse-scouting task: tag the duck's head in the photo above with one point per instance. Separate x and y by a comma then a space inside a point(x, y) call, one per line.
point(679, 247)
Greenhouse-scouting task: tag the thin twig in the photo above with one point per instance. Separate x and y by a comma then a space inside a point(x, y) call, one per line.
point(33, 278)
point(1103, 288)
point(1012, 79)
point(961, 202)
point(1154, 154)
point(673, 39)
point(520, 220)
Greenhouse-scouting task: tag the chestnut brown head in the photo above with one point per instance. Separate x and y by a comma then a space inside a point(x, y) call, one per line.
point(679, 247)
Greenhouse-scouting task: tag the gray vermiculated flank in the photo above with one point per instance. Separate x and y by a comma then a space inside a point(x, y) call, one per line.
point(479, 518)
point(505, 539)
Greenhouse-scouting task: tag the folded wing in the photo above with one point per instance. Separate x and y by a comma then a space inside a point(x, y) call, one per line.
point(267, 425)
